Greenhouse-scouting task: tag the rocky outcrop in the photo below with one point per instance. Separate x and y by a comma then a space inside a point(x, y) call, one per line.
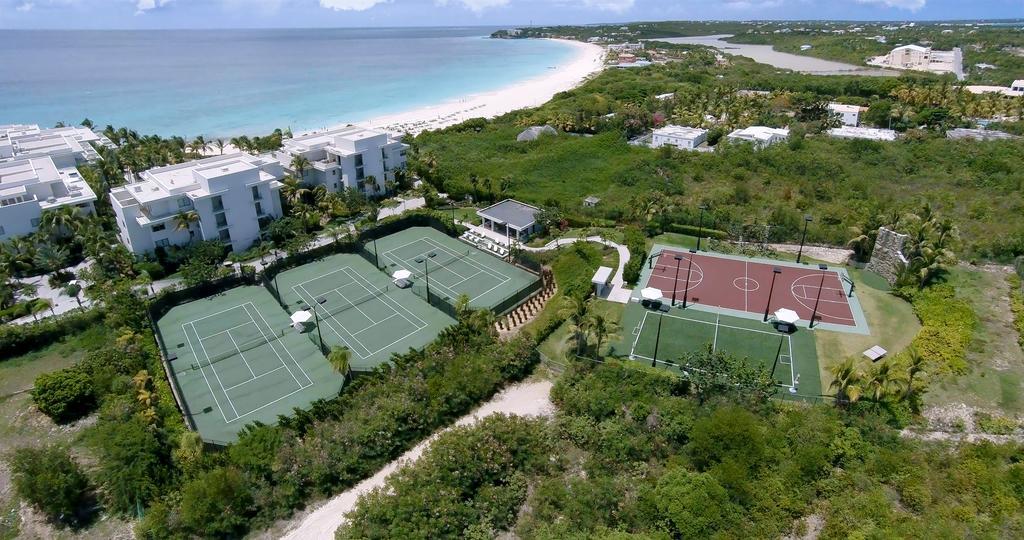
point(887, 259)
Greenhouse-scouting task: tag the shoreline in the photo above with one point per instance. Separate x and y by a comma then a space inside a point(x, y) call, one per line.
point(589, 59)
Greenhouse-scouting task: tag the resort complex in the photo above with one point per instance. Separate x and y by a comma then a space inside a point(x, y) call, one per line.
point(348, 158)
point(920, 58)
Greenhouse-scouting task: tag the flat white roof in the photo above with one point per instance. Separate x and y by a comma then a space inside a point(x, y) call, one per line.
point(844, 108)
point(322, 139)
point(680, 131)
point(849, 132)
point(163, 182)
point(602, 275)
point(22, 172)
point(760, 133)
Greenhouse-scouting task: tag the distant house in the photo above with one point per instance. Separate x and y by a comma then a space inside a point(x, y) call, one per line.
point(759, 136)
point(351, 157)
point(849, 114)
point(1017, 86)
point(979, 134)
point(534, 133)
point(919, 58)
point(683, 138)
point(623, 47)
point(853, 132)
point(591, 201)
point(516, 220)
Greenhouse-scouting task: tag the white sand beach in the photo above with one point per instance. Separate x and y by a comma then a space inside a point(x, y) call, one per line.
point(531, 93)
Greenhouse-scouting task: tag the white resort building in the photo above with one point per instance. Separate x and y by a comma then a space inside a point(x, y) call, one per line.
point(233, 196)
point(350, 157)
point(510, 218)
point(759, 136)
point(38, 172)
point(848, 114)
point(851, 132)
point(683, 138)
point(918, 58)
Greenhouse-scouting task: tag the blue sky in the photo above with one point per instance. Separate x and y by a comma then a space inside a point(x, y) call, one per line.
point(361, 13)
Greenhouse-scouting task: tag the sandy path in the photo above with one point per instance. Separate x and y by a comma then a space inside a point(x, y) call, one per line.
point(526, 399)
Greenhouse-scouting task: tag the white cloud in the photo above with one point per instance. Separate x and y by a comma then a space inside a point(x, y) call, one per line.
point(912, 5)
point(616, 6)
point(142, 6)
point(476, 6)
point(350, 5)
point(25, 7)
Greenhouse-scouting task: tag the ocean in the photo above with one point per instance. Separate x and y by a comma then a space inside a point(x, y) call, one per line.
point(231, 82)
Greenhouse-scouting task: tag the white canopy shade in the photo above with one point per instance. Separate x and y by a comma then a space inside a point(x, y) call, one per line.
point(650, 293)
point(787, 316)
point(402, 274)
point(300, 317)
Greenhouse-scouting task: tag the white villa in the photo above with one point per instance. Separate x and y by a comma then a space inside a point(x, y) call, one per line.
point(683, 138)
point(759, 136)
point(852, 132)
point(38, 172)
point(849, 114)
point(349, 157)
point(510, 218)
point(920, 58)
point(234, 196)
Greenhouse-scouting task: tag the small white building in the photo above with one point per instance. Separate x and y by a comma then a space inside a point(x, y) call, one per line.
point(683, 138)
point(916, 57)
point(848, 114)
point(510, 218)
point(30, 186)
point(625, 47)
point(346, 158)
point(235, 197)
point(67, 146)
point(759, 136)
point(1017, 86)
point(853, 132)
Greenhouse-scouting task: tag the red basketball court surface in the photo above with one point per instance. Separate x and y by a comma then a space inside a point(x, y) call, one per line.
point(744, 286)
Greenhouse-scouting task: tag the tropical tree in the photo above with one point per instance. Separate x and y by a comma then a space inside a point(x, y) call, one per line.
point(847, 381)
point(884, 380)
point(294, 191)
point(184, 222)
point(40, 305)
point(602, 328)
point(62, 222)
point(916, 365)
point(74, 290)
point(219, 145)
point(299, 164)
point(576, 311)
point(340, 359)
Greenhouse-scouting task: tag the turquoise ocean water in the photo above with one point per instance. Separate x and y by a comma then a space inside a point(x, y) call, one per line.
point(232, 82)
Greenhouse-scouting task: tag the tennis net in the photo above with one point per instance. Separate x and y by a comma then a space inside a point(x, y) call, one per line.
point(342, 304)
point(443, 259)
point(243, 346)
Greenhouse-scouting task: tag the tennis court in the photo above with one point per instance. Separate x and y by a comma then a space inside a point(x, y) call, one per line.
point(792, 356)
point(237, 360)
point(451, 268)
point(359, 308)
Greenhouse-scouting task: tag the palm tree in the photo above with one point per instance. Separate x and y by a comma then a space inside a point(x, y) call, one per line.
point(846, 381)
point(39, 305)
point(51, 257)
point(576, 312)
point(219, 144)
point(916, 364)
point(294, 191)
point(883, 381)
point(602, 328)
point(299, 164)
point(340, 359)
point(61, 222)
point(184, 222)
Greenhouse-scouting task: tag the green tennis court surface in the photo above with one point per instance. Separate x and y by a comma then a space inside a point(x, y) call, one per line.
point(359, 308)
point(454, 268)
point(792, 356)
point(237, 360)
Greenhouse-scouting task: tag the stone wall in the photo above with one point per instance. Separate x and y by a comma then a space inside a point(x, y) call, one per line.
point(887, 259)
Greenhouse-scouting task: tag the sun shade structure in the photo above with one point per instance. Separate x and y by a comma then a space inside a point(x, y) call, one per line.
point(301, 317)
point(510, 218)
point(787, 316)
point(650, 293)
point(401, 274)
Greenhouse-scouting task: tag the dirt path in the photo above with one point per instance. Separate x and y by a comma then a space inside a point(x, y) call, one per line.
point(526, 399)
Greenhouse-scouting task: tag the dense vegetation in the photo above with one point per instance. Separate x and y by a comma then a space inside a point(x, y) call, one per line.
point(631, 455)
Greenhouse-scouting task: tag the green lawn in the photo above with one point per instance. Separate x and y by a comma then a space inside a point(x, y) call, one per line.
point(557, 346)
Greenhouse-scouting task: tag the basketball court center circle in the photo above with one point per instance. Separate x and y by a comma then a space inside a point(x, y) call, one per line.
point(746, 284)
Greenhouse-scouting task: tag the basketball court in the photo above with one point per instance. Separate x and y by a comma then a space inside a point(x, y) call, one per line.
point(741, 286)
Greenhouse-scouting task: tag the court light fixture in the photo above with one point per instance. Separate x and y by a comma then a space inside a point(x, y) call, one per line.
point(775, 273)
point(823, 268)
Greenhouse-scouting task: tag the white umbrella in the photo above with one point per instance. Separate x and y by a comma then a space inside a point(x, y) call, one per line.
point(787, 316)
point(301, 317)
point(650, 293)
point(402, 274)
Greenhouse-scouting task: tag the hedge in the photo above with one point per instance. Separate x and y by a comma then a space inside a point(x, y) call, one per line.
point(1017, 307)
point(17, 339)
point(679, 228)
point(948, 326)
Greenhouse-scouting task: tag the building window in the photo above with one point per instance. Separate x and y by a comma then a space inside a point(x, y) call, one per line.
point(163, 242)
point(160, 227)
point(222, 219)
point(218, 203)
point(184, 202)
point(225, 235)
point(259, 209)
point(35, 222)
point(360, 174)
point(256, 196)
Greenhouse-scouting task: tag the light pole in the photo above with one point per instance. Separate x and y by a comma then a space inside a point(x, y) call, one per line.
point(426, 269)
point(778, 354)
point(657, 342)
point(775, 273)
point(376, 257)
point(319, 336)
point(821, 285)
point(700, 232)
point(807, 220)
point(679, 260)
point(689, 268)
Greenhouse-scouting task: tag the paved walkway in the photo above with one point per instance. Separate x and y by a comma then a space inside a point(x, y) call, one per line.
point(62, 303)
point(526, 399)
point(619, 293)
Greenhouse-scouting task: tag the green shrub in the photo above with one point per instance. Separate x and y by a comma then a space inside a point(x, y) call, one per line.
point(216, 504)
point(694, 231)
point(154, 269)
point(1017, 306)
point(51, 481)
point(64, 395)
point(17, 339)
point(948, 325)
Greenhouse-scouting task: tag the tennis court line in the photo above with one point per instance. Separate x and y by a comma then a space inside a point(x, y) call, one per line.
point(202, 368)
point(203, 371)
point(311, 301)
point(273, 347)
point(239, 349)
point(482, 269)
